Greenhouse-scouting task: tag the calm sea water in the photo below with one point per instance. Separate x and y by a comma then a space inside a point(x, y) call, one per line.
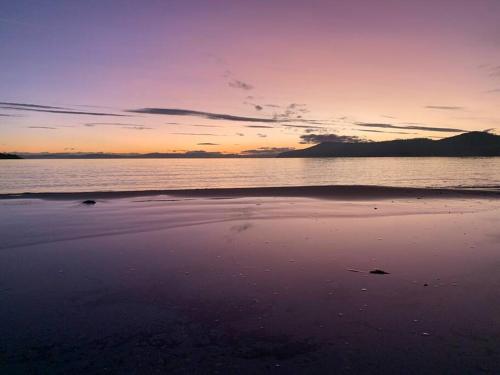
point(17, 176)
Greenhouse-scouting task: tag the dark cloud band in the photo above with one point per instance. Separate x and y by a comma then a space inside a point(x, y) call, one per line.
point(22, 108)
point(320, 138)
point(409, 127)
point(28, 105)
point(209, 115)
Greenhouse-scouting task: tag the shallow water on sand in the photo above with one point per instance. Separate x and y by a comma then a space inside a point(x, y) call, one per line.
point(18, 176)
point(250, 285)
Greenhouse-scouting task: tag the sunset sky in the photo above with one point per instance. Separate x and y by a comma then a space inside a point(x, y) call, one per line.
point(233, 76)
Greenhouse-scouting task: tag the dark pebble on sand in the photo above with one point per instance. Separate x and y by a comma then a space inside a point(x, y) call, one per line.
point(89, 202)
point(379, 272)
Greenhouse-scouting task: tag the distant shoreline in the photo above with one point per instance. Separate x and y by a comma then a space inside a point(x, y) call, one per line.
point(24, 157)
point(467, 144)
point(9, 156)
point(335, 192)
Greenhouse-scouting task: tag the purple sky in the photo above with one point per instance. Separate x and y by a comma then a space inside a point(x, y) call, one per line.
point(245, 74)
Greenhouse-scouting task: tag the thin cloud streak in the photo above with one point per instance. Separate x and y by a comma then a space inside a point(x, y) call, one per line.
point(118, 124)
point(445, 107)
point(381, 131)
point(204, 134)
point(409, 127)
point(208, 115)
point(259, 126)
point(63, 111)
point(136, 127)
point(29, 105)
point(304, 126)
point(196, 125)
point(92, 124)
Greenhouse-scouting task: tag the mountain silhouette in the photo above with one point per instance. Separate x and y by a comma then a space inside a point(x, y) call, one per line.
point(466, 144)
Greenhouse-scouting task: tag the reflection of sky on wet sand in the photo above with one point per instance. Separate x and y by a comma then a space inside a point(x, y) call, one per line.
point(261, 267)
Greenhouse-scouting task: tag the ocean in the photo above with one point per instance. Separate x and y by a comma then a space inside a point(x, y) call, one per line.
point(76, 175)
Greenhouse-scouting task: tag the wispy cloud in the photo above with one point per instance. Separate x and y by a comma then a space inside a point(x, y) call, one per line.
point(292, 112)
point(259, 126)
point(492, 70)
point(319, 138)
point(136, 127)
point(92, 124)
point(303, 126)
point(209, 115)
point(50, 109)
point(237, 84)
point(29, 105)
point(42, 127)
point(409, 127)
point(118, 124)
point(207, 144)
point(195, 125)
point(261, 135)
point(66, 112)
point(257, 107)
point(445, 107)
point(382, 131)
point(205, 134)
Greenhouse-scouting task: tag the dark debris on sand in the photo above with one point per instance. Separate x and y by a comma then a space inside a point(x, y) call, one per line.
point(379, 272)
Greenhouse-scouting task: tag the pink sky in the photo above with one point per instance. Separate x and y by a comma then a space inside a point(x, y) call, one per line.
point(417, 68)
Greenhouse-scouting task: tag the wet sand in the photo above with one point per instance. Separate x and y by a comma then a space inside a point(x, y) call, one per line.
point(188, 284)
point(337, 192)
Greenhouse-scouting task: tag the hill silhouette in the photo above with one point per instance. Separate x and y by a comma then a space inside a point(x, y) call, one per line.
point(466, 144)
point(9, 156)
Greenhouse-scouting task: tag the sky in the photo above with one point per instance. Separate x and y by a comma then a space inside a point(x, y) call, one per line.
point(243, 76)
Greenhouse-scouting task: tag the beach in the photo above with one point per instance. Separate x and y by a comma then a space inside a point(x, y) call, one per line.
point(250, 187)
point(251, 281)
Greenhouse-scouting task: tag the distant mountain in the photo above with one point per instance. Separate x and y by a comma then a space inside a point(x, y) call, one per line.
point(466, 144)
point(9, 156)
